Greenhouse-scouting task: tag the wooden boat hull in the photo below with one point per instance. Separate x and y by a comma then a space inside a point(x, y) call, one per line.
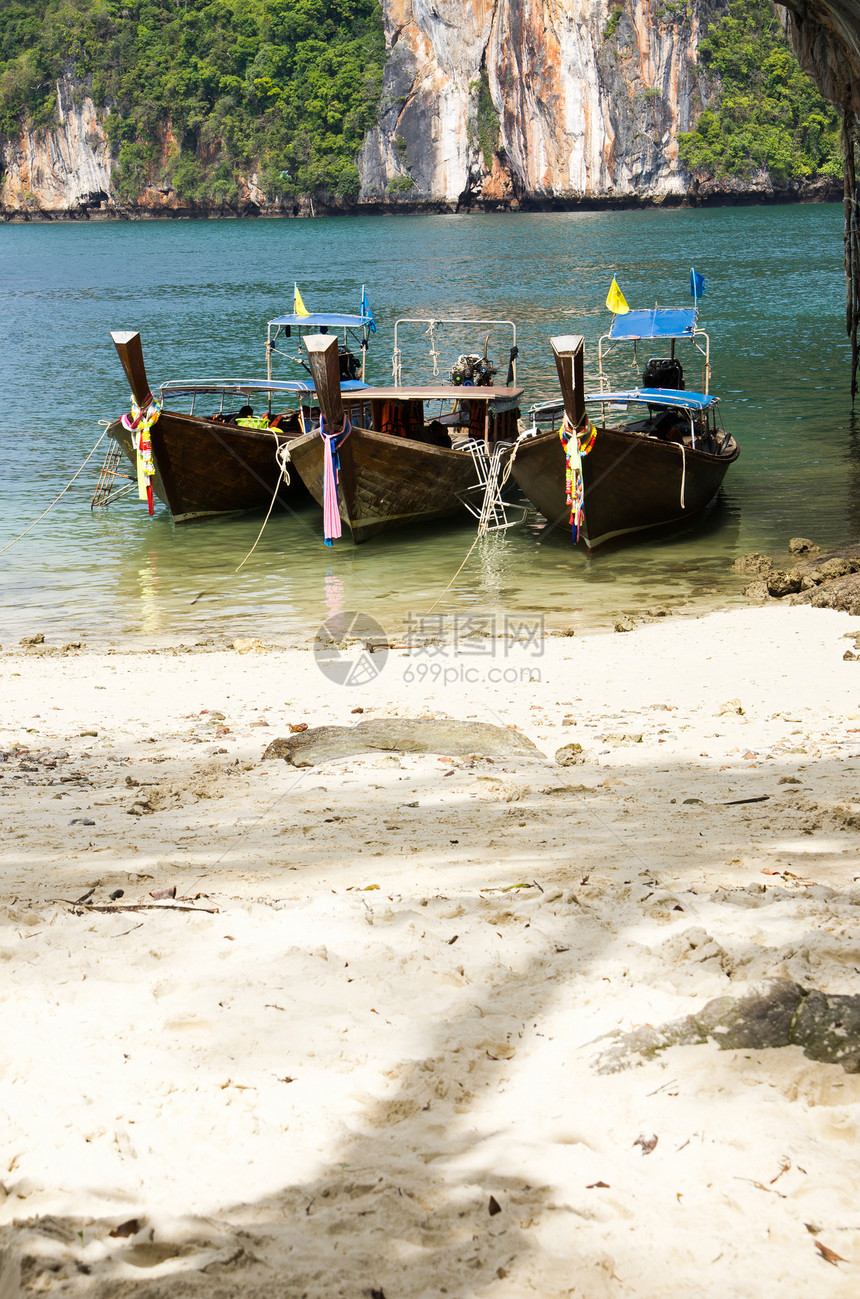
point(204, 468)
point(630, 483)
point(385, 482)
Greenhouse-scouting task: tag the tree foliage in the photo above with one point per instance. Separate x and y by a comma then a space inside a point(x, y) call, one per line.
point(769, 116)
point(200, 91)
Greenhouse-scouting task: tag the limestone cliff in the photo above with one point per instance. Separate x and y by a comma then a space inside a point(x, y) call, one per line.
point(69, 170)
point(66, 169)
point(589, 95)
point(494, 102)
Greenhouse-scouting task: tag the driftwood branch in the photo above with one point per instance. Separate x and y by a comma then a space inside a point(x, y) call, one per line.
point(82, 908)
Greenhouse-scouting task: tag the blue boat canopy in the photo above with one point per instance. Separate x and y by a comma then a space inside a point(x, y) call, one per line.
point(323, 320)
point(303, 387)
point(661, 322)
point(657, 397)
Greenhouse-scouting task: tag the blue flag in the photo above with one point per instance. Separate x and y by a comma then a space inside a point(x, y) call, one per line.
point(697, 285)
point(364, 309)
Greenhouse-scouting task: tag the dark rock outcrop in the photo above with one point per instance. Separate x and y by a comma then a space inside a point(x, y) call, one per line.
point(781, 1013)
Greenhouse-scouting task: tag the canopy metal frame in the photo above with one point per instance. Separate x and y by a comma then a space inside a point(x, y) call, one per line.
point(351, 332)
point(432, 323)
point(301, 389)
point(697, 337)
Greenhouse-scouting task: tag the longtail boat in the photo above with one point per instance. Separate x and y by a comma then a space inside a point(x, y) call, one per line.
point(382, 458)
point(202, 465)
point(626, 460)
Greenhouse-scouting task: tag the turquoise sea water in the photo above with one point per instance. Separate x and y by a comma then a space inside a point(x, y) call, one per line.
point(201, 292)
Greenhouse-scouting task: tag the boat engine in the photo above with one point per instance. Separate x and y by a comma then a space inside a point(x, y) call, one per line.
point(473, 371)
point(350, 366)
point(663, 372)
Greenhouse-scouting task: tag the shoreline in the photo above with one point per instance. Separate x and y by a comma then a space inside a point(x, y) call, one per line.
point(696, 197)
point(370, 1060)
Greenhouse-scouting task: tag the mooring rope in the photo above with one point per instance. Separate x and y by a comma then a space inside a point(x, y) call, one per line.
point(106, 424)
point(478, 536)
point(282, 456)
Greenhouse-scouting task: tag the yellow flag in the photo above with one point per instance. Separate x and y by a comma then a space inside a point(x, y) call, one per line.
point(615, 299)
point(299, 308)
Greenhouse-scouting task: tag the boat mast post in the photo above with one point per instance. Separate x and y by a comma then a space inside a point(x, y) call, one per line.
point(130, 352)
point(568, 351)
point(322, 352)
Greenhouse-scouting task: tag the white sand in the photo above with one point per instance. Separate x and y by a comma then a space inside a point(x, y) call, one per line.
point(317, 1089)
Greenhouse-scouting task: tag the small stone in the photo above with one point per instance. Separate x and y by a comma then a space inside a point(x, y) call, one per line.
point(249, 645)
point(780, 584)
point(625, 624)
point(835, 568)
point(569, 755)
point(755, 562)
point(813, 578)
point(802, 546)
point(29, 641)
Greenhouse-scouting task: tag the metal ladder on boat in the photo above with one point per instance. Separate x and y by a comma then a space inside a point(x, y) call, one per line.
point(492, 514)
point(107, 488)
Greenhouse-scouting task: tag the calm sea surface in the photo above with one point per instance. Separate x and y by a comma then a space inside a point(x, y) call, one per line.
point(200, 292)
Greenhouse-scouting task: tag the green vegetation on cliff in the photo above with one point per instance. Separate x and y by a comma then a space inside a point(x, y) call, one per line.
point(201, 91)
point(769, 116)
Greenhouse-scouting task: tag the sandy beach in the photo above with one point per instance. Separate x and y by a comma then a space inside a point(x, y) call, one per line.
point(362, 1049)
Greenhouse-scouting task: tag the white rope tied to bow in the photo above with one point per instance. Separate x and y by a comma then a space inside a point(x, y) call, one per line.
point(282, 457)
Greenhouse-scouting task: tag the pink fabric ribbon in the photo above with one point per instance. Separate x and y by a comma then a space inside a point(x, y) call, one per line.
point(331, 513)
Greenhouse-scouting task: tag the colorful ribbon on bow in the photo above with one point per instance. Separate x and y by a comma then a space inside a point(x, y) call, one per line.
point(331, 466)
point(576, 445)
point(139, 423)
